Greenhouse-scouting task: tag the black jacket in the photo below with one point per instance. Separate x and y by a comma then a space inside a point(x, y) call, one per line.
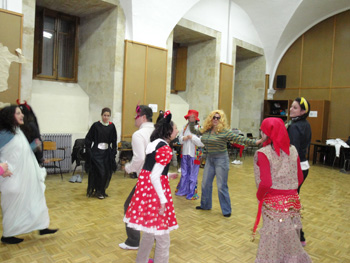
point(300, 136)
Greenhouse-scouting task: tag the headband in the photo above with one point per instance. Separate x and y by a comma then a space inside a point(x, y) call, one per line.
point(25, 104)
point(167, 116)
point(304, 102)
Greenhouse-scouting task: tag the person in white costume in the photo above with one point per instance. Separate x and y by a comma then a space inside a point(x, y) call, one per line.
point(190, 158)
point(23, 200)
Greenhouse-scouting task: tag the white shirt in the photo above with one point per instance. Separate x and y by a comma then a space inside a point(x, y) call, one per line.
point(139, 142)
point(189, 146)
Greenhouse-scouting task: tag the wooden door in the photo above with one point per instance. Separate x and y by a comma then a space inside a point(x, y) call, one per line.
point(318, 120)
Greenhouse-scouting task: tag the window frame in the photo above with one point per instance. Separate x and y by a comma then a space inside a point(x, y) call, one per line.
point(38, 44)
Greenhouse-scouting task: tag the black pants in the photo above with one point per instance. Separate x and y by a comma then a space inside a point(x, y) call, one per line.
point(133, 239)
point(305, 173)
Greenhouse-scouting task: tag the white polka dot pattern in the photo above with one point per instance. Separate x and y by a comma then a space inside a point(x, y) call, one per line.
point(143, 209)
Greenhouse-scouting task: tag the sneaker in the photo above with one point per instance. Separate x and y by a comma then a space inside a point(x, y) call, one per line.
point(100, 196)
point(237, 162)
point(73, 179)
point(79, 179)
point(125, 246)
point(303, 243)
point(234, 161)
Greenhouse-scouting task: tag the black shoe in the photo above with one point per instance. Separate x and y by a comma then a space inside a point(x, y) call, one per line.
point(47, 231)
point(11, 240)
point(200, 208)
point(133, 175)
point(227, 215)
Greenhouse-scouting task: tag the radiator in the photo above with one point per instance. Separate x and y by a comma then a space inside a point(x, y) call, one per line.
point(63, 140)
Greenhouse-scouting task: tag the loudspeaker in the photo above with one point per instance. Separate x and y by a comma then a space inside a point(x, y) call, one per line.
point(281, 81)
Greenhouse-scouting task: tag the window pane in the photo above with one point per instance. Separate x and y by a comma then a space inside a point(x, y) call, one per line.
point(49, 23)
point(66, 56)
point(48, 46)
point(66, 48)
point(65, 26)
point(48, 54)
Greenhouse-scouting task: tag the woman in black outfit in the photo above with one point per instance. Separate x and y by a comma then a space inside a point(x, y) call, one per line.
point(299, 132)
point(101, 145)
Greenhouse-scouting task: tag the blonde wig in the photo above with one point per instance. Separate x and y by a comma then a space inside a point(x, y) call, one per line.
point(208, 122)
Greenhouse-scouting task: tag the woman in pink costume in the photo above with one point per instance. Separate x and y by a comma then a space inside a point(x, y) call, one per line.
point(278, 175)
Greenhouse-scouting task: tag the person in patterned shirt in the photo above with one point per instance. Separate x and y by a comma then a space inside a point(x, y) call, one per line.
point(151, 208)
point(215, 135)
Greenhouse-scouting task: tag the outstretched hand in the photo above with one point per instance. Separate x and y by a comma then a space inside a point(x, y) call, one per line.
point(260, 141)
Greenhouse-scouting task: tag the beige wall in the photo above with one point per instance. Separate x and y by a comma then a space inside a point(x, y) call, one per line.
point(203, 69)
point(317, 67)
point(249, 87)
point(202, 78)
point(97, 65)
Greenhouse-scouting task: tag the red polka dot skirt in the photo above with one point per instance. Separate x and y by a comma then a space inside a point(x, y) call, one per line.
point(143, 211)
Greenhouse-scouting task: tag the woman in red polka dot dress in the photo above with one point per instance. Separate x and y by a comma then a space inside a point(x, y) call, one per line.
point(151, 209)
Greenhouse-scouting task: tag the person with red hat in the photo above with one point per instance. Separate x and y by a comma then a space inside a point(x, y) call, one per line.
point(277, 175)
point(190, 160)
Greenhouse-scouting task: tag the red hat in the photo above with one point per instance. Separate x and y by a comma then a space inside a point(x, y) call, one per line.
point(190, 112)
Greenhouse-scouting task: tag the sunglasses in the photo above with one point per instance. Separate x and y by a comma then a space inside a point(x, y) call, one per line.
point(216, 118)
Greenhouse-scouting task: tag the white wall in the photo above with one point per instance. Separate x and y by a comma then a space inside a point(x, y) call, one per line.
point(12, 5)
point(143, 21)
point(233, 24)
point(52, 102)
point(152, 21)
point(179, 108)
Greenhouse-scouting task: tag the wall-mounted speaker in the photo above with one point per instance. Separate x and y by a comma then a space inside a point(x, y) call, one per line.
point(281, 81)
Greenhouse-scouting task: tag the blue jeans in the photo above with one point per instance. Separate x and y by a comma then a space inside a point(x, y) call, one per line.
point(216, 164)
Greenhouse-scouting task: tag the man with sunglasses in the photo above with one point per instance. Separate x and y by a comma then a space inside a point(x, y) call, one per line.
point(139, 141)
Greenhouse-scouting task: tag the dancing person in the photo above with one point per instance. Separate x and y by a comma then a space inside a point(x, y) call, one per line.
point(277, 175)
point(22, 192)
point(299, 131)
point(139, 142)
point(101, 149)
point(215, 135)
point(190, 158)
point(151, 209)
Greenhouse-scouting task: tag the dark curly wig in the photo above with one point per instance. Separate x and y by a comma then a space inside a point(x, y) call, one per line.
point(7, 119)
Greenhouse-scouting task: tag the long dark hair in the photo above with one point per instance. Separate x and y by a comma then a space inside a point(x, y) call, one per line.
point(30, 125)
point(7, 119)
point(163, 129)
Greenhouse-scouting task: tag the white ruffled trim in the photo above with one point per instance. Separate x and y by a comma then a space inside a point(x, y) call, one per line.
point(152, 230)
point(152, 145)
